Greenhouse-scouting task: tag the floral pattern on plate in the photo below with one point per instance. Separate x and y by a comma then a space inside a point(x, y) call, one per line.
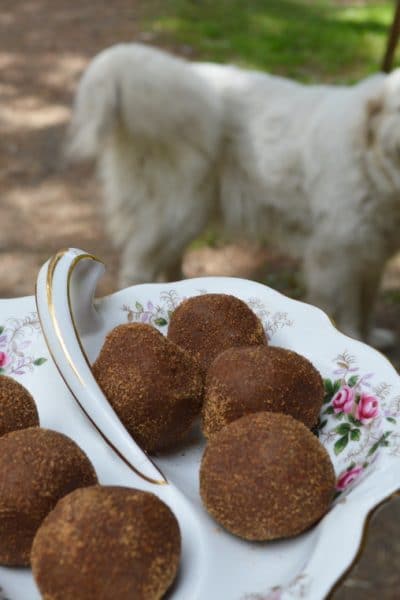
point(16, 337)
point(297, 588)
point(357, 420)
point(160, 314)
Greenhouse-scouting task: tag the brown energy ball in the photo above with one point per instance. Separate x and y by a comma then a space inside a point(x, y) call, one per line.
point(154, 386)
point(266, 476)
point(207, 325)
point(37, 468)
point(17, 407)
point(107, 542)
point(247, 380)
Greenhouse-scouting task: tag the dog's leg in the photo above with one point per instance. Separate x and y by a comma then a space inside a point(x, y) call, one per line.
point(346, 291)
point(151, 262)
point(155, 251)
point(139, 264)
point(332, 284)
point(173, 271)
point(376, 336)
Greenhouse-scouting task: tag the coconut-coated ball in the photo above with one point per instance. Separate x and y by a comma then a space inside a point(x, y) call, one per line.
point(106, 542)
point(17, 407)
point(37, 467)
point(241, 381)
point(266, 476)
point(155, 387)
point(207, 325)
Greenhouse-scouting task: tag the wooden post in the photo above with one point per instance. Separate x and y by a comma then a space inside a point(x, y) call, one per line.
point(392, 40)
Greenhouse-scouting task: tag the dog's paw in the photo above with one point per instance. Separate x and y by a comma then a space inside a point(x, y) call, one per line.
point(383, 339)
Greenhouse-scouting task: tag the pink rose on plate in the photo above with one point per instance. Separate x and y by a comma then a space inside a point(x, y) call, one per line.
point(348, 477)
point(342, 401)
point(367, 408)
point(4, 359)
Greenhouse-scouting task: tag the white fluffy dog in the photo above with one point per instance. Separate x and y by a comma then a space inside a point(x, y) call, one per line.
point(315, 169)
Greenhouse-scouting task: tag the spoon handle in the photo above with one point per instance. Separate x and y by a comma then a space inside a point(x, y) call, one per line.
point(64, 298)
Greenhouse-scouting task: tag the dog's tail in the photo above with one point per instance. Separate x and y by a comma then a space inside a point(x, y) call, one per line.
point(153, 96)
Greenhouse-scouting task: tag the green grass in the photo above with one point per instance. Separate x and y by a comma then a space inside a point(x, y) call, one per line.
point(310, 40)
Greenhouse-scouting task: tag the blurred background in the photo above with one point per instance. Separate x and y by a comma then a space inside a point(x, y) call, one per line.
point(46, 205)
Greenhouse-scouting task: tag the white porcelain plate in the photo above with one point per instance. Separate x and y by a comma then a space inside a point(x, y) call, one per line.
point(360, 427)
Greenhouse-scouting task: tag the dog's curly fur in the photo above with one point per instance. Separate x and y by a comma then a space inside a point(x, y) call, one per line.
point(316, 169)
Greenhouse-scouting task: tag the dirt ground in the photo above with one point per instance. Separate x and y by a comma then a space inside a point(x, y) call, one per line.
point(46, 205)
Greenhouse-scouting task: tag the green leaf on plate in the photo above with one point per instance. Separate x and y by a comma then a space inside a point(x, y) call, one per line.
point(329, 390)
point(355, 435)
point(352, 380)
point(341, 444)
point(391, 420)
point(1, 329)
point(331, 387)
point(39, 361)
point(139, 307)
point(354, 421)
point(160, 321)
point(383, 441)
point(329, 411)
point(374, 448)
point(343, 428)
point(2, 370)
